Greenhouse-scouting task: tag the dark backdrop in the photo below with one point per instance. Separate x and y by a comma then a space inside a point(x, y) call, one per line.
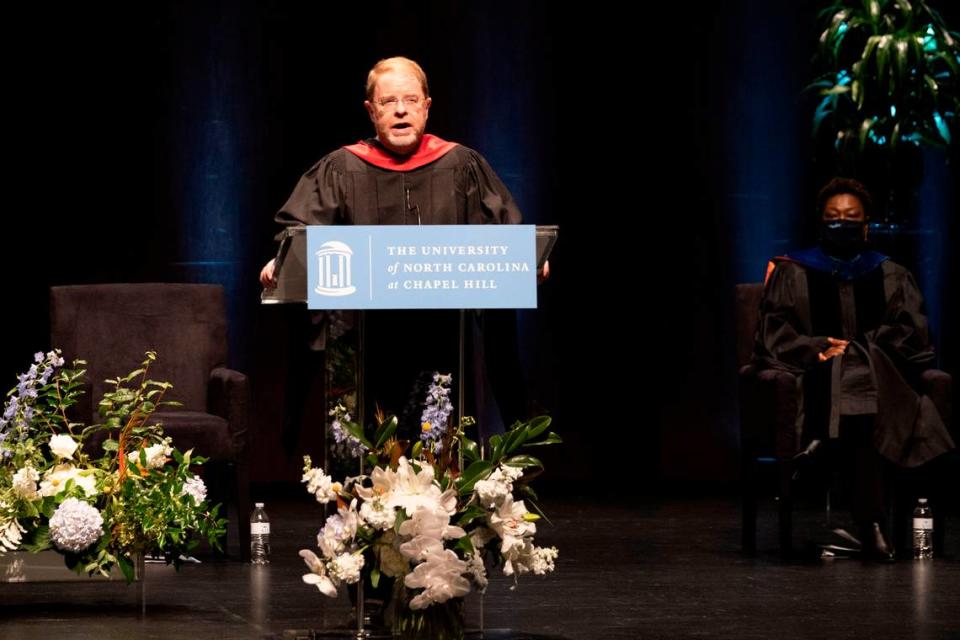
point(154, 141)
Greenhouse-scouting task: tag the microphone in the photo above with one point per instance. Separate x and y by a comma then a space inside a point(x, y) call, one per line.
point(413, 207)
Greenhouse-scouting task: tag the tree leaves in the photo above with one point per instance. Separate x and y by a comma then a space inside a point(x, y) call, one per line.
point(902, 66)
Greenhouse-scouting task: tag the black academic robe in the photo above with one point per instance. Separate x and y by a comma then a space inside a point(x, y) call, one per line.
point(458, 188)
point(404, 347)
point(881, 314)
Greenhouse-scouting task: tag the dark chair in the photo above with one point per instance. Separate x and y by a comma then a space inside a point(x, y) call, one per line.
point(770, 436)
point(768, 430)
point(111, 326)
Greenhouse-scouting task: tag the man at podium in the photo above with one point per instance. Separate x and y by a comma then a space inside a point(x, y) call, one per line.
point(403, 176)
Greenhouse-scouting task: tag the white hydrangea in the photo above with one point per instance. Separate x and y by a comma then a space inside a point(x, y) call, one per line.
point(321, 485)
point(25, 483)
point(346, 567)
point(75, 525)
point(338, 531)
point(195, 488)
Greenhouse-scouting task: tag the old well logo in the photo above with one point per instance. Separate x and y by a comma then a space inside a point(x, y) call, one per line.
point(334, 272)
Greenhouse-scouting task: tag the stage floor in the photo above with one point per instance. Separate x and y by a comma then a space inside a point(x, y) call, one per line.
point(668, 569)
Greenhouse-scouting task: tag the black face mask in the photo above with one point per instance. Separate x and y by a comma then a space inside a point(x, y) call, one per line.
point(842, 239)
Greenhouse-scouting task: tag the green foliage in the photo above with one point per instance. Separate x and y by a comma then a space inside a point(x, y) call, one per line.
point(891, 75)
point(142, 488)
point(445, 501)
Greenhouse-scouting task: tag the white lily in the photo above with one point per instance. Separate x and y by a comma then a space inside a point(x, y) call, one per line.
point(410, 489)
point(510, 525)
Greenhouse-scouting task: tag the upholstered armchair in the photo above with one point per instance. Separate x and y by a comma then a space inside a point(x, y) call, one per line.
point(770, 436)
point(111, 326)
point(768, 431)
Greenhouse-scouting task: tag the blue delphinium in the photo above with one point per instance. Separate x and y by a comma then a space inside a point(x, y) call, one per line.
point(18, 410)
point(345, 442)
point(436, 412)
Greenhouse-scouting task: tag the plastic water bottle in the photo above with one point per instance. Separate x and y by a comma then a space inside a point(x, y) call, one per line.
point(259, 535)
point(922, 530)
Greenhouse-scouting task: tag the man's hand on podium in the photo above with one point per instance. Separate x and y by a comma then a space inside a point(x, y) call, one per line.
point(267, 278)
point(544, 273)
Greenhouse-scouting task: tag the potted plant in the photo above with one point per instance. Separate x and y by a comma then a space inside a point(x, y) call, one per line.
point(890, 85)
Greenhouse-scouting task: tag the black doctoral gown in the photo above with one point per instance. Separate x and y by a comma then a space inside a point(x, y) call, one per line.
point(458, 188)
point(881, 313)
point(404, 347)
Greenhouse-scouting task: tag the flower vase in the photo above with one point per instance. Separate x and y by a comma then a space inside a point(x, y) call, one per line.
point(439, 621)
point(377, 603)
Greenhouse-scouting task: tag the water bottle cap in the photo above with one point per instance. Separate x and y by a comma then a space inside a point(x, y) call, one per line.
point(258, 505)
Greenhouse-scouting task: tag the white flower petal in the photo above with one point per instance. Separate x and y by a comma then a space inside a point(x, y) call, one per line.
point(63, 446)
point(322, 583)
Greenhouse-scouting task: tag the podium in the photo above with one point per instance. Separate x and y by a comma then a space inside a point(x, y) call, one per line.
point(291, 273)
point(464, 330)
point(290, 267)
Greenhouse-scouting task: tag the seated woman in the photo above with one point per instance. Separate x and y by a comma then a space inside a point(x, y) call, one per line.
point(849, 322)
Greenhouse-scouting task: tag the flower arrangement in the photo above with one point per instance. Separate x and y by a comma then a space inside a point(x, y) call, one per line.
point(432, 522)
point(140, 496)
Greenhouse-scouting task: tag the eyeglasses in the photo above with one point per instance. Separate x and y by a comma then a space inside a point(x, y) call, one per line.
point(408, 101)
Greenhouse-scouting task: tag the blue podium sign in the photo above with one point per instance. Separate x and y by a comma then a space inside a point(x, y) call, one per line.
point(421, 267)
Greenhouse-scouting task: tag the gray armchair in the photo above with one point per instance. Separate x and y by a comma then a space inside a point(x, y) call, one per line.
point(111, 326)
point(770, 437)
